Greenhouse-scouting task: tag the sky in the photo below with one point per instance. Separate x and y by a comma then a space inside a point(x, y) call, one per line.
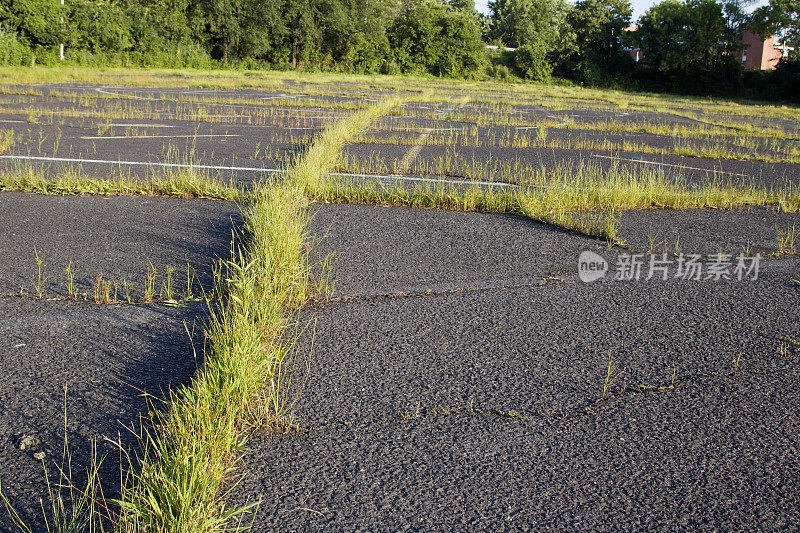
point(639, 7)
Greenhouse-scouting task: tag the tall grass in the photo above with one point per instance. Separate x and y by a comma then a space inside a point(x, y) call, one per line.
point(189, 452)
point(177, 183)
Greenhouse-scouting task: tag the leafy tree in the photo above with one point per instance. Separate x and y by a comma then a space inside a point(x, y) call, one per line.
point(598, 27)
point(688, 46)
point(98, 26)
point(304, 34)
point(531, 63)
point(222, 21)
point(36, 22)
point(427, 37)
point(518, 22)
point(598, 53)
point(781, 17)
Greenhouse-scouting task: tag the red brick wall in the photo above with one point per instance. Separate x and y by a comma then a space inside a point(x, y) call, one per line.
point(761, 55)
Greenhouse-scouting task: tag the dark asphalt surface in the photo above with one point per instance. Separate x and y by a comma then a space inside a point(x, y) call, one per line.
point(118, 238)
point(456, 372)
point(450, 390)
point(106, 356)
point(690, 171)
point(263, 129)
point(703, 231)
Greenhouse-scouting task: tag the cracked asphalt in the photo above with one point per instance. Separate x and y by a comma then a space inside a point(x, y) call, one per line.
point(455, 378)
point(90, 363)
point(457, 373)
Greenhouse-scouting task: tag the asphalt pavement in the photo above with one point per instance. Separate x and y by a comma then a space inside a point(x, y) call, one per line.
point(72, 368)
point(448, 389)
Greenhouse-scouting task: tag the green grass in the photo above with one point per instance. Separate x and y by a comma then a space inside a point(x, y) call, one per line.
point(176, 183)
point(576, 187)
point(6, 140)
point(190, 448)
point(191, 442)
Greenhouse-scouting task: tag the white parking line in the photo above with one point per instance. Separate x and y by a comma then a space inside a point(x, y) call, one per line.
point(382, 177)
point(645, 162)
point(101, 137)
point(285, 96)
point(119, 95)
point(137, 163)
point(217, 116)
point(141, 126)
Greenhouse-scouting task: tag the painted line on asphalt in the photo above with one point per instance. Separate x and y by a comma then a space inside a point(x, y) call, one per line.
point(119, 95)
point(101, 137)
point(283, 95)
point(211, 104)
point(217, 116)
point(141, 126)
point(645, 162)
point(413, 152)
point(394, 177)
point(383, 177)
point(137, 163)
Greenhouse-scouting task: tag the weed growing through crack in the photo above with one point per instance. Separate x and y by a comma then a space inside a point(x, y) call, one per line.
point(39, 279)
point(166, 288)
point(736, 371)
point(6, 140)
point(188, 454)
point(786, 240)
point(149, 286)
point(611, 376)
point(105, 292)
point(189, 294)
point(783, 350)
point(70, 508)
point(128, 291)
point(71, 291)
point(652, 239)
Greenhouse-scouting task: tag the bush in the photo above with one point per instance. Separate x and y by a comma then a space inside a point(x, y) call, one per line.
point(531, 62)
point(428, 38)
point(500, 72)
point(786, 78)
point(12, 51)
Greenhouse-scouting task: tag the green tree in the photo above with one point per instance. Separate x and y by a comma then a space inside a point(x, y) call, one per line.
point(530, 62)
point(598, 54)
point(36, 22)
point(222, 22)
point(781, 17)
point(689, 46)
point(519, 22)
point(427, 37)
point(98, 26)
point(598, 27)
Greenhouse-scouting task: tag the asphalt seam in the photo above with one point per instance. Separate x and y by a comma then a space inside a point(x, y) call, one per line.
point(391, 295)
point(614, 399)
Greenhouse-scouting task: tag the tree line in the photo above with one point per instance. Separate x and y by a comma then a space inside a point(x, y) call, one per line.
point(685, 45)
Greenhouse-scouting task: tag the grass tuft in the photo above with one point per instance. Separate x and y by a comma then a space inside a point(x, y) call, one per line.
point(188, 453)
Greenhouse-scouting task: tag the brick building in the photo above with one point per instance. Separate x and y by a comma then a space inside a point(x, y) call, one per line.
point(757, 54)
point(762, 55)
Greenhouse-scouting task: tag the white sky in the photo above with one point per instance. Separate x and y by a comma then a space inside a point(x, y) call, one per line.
point(639, 6)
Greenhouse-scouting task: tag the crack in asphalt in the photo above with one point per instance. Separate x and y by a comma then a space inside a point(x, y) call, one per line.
point(584, 410)
point(439, 291)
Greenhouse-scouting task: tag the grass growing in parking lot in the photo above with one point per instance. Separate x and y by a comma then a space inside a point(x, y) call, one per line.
point(192, 440)
point(177, 183)
point(188, 453)
point(6, 140)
